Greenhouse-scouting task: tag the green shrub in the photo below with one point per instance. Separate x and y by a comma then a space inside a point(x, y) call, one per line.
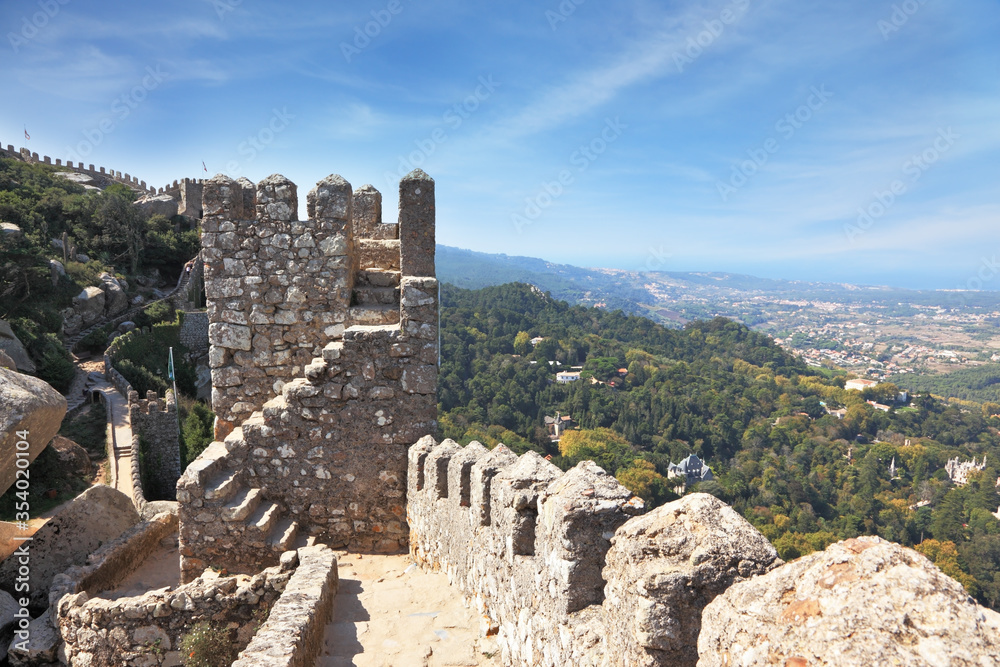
point(96, 341)
point(197, 432)
point(207, 646)
point(141, 379)
point(158, 312)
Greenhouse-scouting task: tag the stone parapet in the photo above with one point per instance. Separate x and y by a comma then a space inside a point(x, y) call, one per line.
point(560, 565)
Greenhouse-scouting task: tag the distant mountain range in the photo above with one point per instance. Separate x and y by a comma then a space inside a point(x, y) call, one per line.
point(639, 292)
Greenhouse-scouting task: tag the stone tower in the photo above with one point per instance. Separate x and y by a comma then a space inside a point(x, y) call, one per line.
point(324, 353)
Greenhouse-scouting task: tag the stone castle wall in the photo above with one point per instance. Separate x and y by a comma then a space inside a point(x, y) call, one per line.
point(156, 422)
point(126, 179)
point(277, 289)
point(323, 353)
point(194, 332)
point(562, 567)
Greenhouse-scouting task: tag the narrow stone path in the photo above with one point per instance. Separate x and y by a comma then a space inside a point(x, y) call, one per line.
point(388, 612)
point(121, 431)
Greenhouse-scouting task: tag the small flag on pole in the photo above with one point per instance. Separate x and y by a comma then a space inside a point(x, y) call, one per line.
point(204, 167)
point(27, 136)
point(170, 366)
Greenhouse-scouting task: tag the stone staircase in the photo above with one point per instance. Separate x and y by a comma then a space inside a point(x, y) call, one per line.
point(375, 300)
point(262, 523)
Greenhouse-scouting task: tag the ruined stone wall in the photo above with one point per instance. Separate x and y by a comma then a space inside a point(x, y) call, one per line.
point(339, 379)
point(559, 565)
point(147, 629)
point(155, 421)
point(277, 289)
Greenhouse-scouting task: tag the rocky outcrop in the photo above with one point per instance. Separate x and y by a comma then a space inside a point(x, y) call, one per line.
point(96, 516)
point(10, 344)
point(89, 305)
point(863, 601)
point(115, 298)
point(164, 205)
point(664, 567)
point(41, 647)
point(31, 412)
point(8, 607)
point(56, 271)
point(7, 362)
point(72, 457)
point(9, 230)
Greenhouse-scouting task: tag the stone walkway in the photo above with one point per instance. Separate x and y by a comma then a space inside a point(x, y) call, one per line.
point(122, 463)
point(388, 613)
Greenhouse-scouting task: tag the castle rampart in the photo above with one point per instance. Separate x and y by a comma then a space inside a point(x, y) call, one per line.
point(561, 566)
point(155, 421)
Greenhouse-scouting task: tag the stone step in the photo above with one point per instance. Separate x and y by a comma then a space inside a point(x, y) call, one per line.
point(373, 315)
point(207, 466)
point(240, 507)
point(375, 254)
point(264, 518)
point(284, 535)
point(377, 278)
point(223, 487)
point(376, 296)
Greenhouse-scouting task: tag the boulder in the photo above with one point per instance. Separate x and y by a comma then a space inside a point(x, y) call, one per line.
point(115, 299)
point(8, 607)
point(72, 456)
point(30, 405)
point(57, 244)
point(164, 205)
point(10, 344)
point(95, 517)
point(75, 177)
point(126, 326)
point(863, 601)
point(83, 259)
point(42, 647)
point(664, 567)
point(89, 305)
point(7, 362)
point(72, 322)
point(56, 271)
point(9, 230)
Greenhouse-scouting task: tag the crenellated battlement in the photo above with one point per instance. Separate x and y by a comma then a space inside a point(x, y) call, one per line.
point(176, 189)
point(564, 567)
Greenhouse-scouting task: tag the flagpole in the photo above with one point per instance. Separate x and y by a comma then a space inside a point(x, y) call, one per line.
point(177, 401)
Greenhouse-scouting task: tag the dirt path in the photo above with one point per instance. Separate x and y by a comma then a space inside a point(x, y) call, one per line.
point(388, 612)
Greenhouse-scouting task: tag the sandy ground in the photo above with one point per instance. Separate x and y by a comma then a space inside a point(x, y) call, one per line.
point(388, 612)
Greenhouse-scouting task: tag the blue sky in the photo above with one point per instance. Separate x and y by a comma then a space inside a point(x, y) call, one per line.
point(741, 135)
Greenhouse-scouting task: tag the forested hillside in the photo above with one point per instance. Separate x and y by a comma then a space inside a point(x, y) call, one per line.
point(109, 235)
point(755, 414)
